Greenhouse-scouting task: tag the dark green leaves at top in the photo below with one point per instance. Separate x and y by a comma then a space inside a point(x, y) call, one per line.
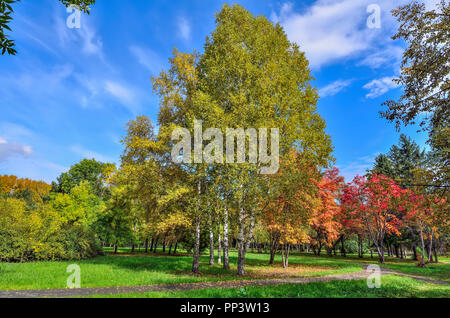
point(6, 45)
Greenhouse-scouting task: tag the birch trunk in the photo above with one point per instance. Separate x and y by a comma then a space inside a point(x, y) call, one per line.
point(226, 262)
point(211, 245)
point(285, 255)
point(423, 249)
point(196, 258)
point(219, 245)
point(243, 243)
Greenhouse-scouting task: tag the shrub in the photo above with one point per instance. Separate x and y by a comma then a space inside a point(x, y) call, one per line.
point(44, 233)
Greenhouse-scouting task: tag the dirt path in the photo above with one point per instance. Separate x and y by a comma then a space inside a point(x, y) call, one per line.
point(67, 293)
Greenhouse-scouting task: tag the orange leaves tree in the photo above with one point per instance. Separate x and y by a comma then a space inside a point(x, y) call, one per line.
point(325, 225)
point(379, 203)
point(12, 185)
point(427, 213)
point(292, 197)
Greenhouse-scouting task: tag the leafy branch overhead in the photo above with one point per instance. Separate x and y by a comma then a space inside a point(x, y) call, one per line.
point(6, 11)
point(6, 45)
point(82, 5)
point(425, 68)
point(425, 75)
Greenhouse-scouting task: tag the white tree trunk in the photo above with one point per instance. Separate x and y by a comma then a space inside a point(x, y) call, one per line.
point(226, 262)
point(219, 245)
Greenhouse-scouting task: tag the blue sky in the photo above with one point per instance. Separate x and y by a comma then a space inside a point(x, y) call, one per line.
point(68, 93)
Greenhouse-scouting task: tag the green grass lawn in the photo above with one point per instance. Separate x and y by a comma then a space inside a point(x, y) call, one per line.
point(147, 269)
point(127, 269)
point(440, 271)
point(391, 286)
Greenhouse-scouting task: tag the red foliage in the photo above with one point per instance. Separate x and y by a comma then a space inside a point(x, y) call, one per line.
point(378, 203)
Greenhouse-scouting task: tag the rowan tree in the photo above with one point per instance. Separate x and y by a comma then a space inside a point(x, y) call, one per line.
point(325, 225)
point(379, 202)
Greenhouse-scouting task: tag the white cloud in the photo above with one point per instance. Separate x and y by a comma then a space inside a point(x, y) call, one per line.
point(85, 37)
point(119, 91)
point(184, 28)
point(332, 30)
point(390, 55)
point(9, 150)
point(148, 58)
point(334, 88)
point(378, 87)
point(431, 4)
point(92, 44)
point(126, 96)
point(14, 131)
point(26, 159)
point(38, 82)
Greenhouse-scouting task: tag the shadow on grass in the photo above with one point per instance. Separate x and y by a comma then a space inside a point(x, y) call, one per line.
point(181, 264)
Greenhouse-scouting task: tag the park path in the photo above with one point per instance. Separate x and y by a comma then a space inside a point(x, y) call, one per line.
point(68, 293)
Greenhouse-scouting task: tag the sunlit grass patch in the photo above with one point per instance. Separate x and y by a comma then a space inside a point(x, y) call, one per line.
point(391, 287)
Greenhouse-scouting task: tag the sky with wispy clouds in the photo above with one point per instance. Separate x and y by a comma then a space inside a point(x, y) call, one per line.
point(69, 93)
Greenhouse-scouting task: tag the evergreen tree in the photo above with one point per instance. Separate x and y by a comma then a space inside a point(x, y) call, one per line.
point(401, 160)
point(405, 157)
point(383, 165)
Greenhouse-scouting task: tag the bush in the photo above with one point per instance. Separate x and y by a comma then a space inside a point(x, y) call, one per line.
point(42, 234)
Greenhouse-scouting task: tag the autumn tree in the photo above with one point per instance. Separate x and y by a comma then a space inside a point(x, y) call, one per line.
point(59, 228)
point(181, 104)
point(378, 201)
point(249, 76)
point(418, 171)
point(10, 185)
point(428, 214)
point(174, 227)
point(325, 224)
point(156, 186)
point(255, 77)
point(34, 193)
point(287, 208)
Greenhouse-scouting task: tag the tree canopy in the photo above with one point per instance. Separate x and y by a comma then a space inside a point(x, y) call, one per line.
point(425, 73)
